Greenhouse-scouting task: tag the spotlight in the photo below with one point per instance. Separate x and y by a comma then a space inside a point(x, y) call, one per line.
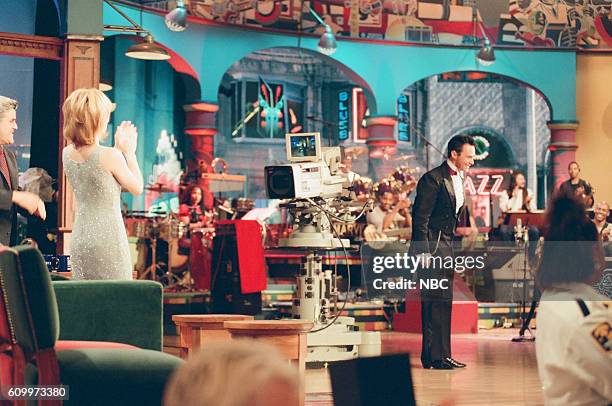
point(176, 20)
point(327, 44)
point(485, 55)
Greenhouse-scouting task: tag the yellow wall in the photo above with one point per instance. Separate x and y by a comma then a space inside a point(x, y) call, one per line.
point(594, 113)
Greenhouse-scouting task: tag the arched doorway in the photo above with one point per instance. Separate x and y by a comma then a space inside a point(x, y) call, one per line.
point(278, 90)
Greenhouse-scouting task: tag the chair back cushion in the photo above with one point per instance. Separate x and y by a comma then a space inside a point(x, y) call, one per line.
point(30, 298)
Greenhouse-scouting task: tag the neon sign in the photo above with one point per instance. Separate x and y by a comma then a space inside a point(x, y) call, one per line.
point(482, 180)
point(403, 118)
point(343, 114)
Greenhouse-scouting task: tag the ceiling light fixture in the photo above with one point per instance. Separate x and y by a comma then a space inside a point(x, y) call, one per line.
point(148, 49)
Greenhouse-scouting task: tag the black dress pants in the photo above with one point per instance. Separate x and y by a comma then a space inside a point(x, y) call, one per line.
point(436, 308)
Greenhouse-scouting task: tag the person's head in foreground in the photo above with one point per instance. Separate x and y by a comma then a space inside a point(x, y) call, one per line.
point(572, 252)
point(86, 116)
point(234, 373)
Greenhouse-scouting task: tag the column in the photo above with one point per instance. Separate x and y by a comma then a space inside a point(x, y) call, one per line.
point(381, 142)
point(80, 68)
point(200, 125)
point(562, 148)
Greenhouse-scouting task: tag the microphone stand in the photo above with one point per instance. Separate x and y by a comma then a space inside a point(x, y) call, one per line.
point(414, 129)
point(522, 236)
point(328, 125)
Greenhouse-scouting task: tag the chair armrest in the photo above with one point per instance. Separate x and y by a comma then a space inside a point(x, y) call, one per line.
point(127, 312)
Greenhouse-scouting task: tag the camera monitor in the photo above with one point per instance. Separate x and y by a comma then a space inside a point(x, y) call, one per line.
point(303, 147)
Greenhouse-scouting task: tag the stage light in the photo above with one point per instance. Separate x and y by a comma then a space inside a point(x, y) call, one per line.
point(485, 55)
point(176, 20)
point(327, 44)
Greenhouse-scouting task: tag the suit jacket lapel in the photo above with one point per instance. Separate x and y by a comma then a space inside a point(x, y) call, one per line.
point(448, 182)
point(13, 171)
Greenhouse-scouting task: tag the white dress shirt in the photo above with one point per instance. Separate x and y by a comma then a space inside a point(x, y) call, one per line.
point(515, 203)
point(574, 358)
point(457, 186)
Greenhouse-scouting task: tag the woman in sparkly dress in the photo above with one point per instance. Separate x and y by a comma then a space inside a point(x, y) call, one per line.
point(99, 245)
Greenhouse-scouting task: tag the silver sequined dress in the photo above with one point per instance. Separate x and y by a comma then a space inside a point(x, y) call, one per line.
point(98, 247)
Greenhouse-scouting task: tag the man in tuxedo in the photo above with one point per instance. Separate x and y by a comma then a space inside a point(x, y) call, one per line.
point(10, 197)
point(440, 199)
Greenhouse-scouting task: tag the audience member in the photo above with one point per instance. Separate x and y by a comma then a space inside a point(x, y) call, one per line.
point(573, 346)
point(234, 373)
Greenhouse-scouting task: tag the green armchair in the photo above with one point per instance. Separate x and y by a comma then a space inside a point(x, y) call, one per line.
point(127, 312)
point(95, 376)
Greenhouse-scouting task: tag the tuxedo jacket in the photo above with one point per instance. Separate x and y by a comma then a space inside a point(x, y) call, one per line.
point(8, 211)
point(433, 213)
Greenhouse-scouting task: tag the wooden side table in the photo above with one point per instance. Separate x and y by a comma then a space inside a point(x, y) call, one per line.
point(197, 330)
point(288, 336)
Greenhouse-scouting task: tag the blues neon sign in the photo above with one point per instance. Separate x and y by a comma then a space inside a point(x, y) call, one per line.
point(344, 101)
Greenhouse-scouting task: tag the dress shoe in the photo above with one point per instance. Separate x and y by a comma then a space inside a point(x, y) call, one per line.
point(441, 365)
point(455, 363)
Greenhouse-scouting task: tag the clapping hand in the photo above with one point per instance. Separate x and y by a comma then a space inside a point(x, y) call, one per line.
point(126, 138)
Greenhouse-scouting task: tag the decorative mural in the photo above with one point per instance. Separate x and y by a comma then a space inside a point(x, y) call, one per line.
point(532, 23)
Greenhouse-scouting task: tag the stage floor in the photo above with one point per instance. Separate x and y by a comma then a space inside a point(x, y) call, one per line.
point(498, 372)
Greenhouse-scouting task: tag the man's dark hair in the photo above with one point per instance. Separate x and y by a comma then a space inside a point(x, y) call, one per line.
point(571, 163)
point(457, 142)
point(570, 246)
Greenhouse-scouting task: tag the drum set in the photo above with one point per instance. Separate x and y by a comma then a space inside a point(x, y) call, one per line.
point(148, 231)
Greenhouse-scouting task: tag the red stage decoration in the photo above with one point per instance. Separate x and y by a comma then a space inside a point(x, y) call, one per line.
point(250, 254)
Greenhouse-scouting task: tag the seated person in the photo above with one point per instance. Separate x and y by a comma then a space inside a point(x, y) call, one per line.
point(234, 373)
point(604, 229)
point(573, 347)
point(575, 186)
point(517, 198)
point(388, 215)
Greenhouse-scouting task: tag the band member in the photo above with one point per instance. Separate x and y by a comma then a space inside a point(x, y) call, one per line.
point(517, 198)
point(387, 214)
point(575, 186)
point(604, 229)
point(439, 203)
point(193, 213)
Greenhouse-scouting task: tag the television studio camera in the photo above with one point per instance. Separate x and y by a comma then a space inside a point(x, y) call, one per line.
point(317, 193)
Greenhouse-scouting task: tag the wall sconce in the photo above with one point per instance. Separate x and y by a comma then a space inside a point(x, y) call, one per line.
point(148, 49)
point(327, 44)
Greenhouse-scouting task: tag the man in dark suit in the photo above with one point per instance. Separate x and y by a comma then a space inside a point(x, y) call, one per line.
point(439, 201)
point(10, 198)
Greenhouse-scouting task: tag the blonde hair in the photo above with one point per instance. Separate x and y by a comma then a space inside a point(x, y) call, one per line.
point(86, 113)
point(6, 105)
point(232, 373)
